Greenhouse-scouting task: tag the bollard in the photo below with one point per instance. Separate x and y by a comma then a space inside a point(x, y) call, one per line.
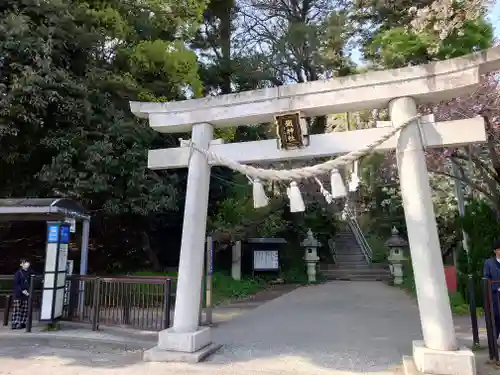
point(29, 321)
point(166, 304)
point(473, 310)
point(490, 320)
point(8, 306)
point(95, 305)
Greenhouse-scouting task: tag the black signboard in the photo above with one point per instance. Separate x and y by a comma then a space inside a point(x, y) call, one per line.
point(262, 255)
point(289, 131)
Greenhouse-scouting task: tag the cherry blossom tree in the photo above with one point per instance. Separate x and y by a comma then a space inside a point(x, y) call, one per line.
point(478, 166)
point(447, 16)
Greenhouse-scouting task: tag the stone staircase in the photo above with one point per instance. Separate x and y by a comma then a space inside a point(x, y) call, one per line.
point(351, 263)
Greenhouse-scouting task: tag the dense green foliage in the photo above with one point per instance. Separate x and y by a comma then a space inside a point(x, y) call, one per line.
point(69, 69)
point(482, 228)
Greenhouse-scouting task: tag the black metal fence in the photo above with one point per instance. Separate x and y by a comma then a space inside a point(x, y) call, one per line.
point(140, 302)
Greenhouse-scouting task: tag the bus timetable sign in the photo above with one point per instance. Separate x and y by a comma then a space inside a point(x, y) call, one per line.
point(289, 131)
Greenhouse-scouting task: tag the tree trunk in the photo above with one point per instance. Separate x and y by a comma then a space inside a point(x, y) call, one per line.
point(152, 257)
point(225, 41)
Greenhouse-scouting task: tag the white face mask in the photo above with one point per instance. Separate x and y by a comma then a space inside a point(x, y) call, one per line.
point(25, 265)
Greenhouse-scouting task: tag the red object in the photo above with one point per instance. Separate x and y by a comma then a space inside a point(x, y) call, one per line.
point(450, 273)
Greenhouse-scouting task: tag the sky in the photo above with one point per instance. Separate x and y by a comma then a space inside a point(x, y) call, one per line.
point(495, 18)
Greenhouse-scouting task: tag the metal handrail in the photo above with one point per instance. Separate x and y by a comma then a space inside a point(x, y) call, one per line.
point(358, 234)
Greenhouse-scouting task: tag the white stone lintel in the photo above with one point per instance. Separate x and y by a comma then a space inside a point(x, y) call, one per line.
point(442, 134)
point(438, 362)
point(427, 83)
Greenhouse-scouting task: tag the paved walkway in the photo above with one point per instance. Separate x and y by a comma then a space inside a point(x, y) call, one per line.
point(346, 326)
point(333, 328)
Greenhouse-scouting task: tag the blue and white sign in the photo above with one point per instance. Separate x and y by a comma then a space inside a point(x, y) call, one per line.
point(64, 234)
point(52, 233)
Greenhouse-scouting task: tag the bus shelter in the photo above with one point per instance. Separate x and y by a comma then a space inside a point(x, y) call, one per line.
point(49, 209)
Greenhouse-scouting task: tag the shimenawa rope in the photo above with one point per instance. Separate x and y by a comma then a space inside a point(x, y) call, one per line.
point(297, 174)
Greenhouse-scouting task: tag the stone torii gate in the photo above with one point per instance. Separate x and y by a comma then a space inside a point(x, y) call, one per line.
point(400, 90)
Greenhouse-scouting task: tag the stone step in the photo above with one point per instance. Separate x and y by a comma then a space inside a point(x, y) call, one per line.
point(351, 254)
point(361, 270)
point(350, 258)
point(334, 266)
point(347, 246)
point(356, 264)
point(356, 275)
point(349, 251)
point(346, 263)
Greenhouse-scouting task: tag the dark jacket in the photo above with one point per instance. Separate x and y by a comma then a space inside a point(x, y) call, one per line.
point(492, 272)
point(21, 282)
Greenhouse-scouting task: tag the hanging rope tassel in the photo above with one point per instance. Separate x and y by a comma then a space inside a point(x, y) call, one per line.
point(260, 198)
point(326, 193)
point(354, 183)
point(296, 201)
point(337, 185)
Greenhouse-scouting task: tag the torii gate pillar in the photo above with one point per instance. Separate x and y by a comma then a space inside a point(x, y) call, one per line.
point(437, 353)
point(185, 340)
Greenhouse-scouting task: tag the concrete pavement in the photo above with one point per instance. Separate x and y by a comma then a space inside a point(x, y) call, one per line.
point(332, 328)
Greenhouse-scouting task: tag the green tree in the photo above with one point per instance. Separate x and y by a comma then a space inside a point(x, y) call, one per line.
point(68, 71)
point(402, 46)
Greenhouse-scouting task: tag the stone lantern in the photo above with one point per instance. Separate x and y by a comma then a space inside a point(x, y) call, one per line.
point(310, 245)
point(396, 245)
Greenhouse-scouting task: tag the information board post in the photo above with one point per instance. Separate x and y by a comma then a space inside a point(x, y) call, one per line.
point(55, 271)
point(208, 282)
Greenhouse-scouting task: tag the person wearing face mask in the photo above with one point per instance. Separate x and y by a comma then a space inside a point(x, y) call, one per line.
point(20, 303)
point(492, 273)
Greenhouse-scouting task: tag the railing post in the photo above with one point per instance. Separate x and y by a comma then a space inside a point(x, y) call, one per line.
point(126, 305)
point(8, 304)
point(166, 304)
point(74, 293)
point(29, 322)
point(490, 320)
point(95, 304)
point(494, 330)
point(473, 310)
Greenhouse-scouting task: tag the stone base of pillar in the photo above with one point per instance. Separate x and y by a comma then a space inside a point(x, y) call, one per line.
point(438, 362)
point(191, 347)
